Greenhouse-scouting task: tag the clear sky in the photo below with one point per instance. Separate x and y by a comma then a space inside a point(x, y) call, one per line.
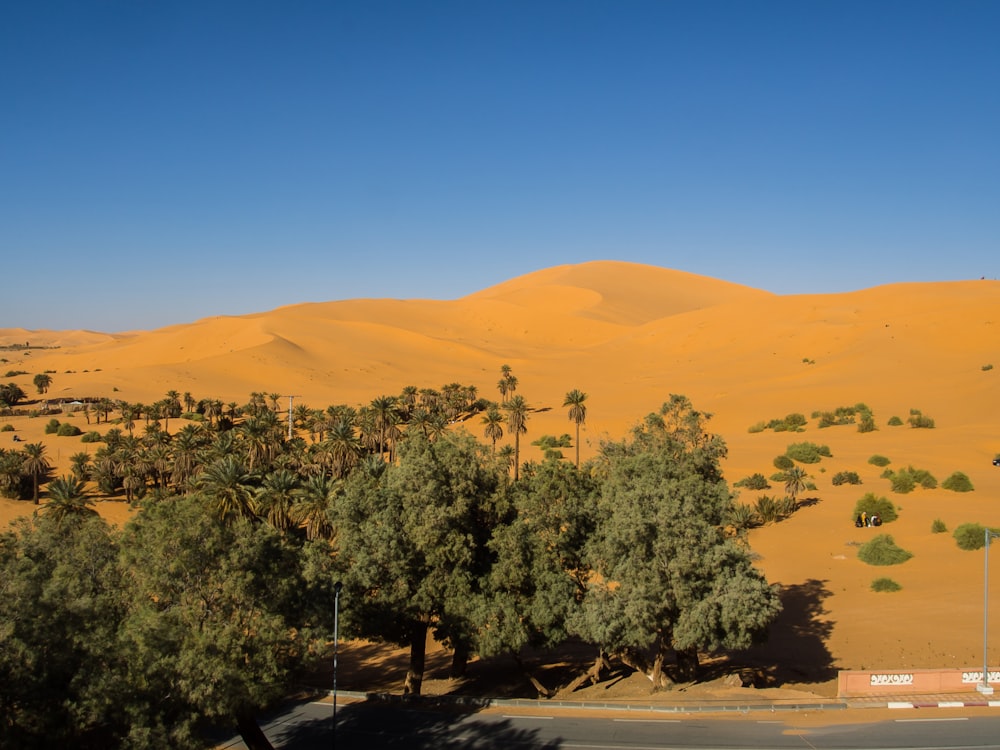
point(164, 161)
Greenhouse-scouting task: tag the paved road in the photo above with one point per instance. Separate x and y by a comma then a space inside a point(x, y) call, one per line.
point(380, 726)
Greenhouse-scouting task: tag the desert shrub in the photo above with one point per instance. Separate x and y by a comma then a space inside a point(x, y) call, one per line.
point(755, 428)
point(91, 437)
point(768, 509)
point(845, 477)
point(866, 423)
point(754, 482)
point(882, 550)
point(783, 463)
point(958, 482)
point(786, 506)
point(987, 368)
point(52, 427)
point(886, 585)
point(742, 516)
point(874, 505)
point(971, 536)
point(938, 526)
point(7, 428)
point(778, 477)
point(789, 423)
point(902, 482)
point(68, 430)
point(807, 453)
point(14, 373)
point(878, 460)
point(895, 422)
point(917, 419)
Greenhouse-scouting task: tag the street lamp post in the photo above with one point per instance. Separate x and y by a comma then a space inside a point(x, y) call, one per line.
point(984, 686)
point(336, 642)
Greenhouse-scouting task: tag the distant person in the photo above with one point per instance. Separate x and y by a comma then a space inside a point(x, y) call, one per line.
point(864, 518)
point(858, 522)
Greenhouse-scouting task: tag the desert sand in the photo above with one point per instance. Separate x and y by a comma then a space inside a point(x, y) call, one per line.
point(629, 336)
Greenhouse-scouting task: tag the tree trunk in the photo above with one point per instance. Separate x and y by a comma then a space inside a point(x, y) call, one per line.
point(460, 659)
point(687, 664)
point(250, 731)
point(543, 691)
point(593, 675)
point(418, 654)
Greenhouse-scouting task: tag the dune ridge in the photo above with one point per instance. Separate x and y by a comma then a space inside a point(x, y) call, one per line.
point(630, 335)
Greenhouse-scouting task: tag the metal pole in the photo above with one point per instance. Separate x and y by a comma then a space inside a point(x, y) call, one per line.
point(336, 641)
point(984, 686)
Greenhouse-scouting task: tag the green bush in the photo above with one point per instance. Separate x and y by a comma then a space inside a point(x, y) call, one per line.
point(987, 368)
point(938, 527)
point(874, 505)
point(754, 482)
point(742, 516)
point(52, 427)
point(895, 422)
point(878, 460)
point(92, 437)
point(755, 428)
point(68, 430)
point(906, 480)
point(783, 463)
point(971, 536)
point(882, 550)
point(807, 453)
point(958, 482)
point(917, 419)
point(845, 477)
point(867, 423)
point(885, 585)
point(7, 428)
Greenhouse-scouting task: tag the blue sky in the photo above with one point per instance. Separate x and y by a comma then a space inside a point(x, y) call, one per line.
point(161, 162)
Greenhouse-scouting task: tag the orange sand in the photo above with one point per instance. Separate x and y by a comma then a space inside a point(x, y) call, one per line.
point(629, 336)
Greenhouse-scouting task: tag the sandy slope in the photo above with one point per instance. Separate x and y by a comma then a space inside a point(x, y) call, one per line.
point(629, 336)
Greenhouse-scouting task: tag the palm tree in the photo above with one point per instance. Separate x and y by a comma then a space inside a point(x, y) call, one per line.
point(68, 499)
point(35, 465)
point(42, 382)
point(384, 418)
point(315, 498)
point(189, 402)
point(227, 483)
point(795, 481)
point(79, 465)
point(493, 420)
point(517, 417)
point(343, 448)
point(276, 497)
point(578, 414)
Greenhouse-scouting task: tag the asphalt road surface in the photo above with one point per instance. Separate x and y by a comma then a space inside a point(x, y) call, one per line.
point(380, 726)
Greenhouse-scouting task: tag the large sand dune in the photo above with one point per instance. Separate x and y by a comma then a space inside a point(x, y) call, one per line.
point(629, 336)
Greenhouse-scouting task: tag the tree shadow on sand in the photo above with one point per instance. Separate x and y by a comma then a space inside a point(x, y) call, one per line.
point(378, 725)
point(795, 651)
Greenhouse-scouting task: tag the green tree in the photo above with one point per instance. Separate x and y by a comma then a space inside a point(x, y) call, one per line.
point(42, 381)
point(413, 541)
point(795, 482)
point(221, 618)
point(226, 485)
point(667, 576)
point(517, 419)
point(61, 665)
point(577, 414)
point(494, 426)
point(35, 465)
point(68, 499)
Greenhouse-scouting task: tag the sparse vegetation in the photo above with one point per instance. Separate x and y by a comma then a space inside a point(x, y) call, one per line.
point(845, 477)
point(875, 505)
point(908, 479)
point(882, 550)
point(958, 482)
point(783, 462)
point(68, 430)
point(895, 422)
point(885, 585)
point(807, 453)
point(987, 368)
point(918, 420)
point(878, 460)
point(938, 526)
point(971, 536)
point(753, 482)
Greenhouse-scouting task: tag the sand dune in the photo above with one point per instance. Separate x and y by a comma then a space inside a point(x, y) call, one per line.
point(629, 336)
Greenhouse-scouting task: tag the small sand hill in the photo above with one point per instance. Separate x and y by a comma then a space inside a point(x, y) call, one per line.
point(629, 336)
